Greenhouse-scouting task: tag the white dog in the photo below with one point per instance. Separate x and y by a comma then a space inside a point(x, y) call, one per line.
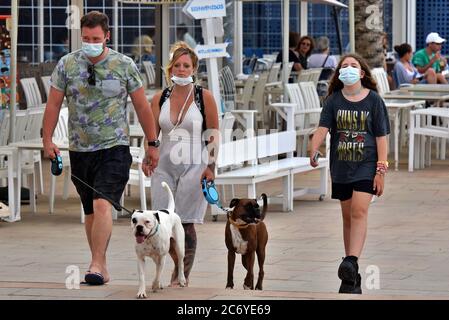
point(153, 230)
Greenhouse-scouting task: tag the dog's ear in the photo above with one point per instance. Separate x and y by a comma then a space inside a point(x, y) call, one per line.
point(234, 202)
point(156, 214)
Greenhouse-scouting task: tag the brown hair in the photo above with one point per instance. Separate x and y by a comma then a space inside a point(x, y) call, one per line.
point(403, 49)
point(367, 81)
point(179, 49)
point(94, 19)
point(312, 45)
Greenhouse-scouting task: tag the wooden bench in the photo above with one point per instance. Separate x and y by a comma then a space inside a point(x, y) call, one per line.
point(264, 151)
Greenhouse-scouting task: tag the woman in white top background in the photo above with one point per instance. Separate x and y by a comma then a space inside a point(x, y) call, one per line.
point(404, 70)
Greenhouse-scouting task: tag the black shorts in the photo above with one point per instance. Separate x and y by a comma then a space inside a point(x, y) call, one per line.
point(343, 191)
point(107, 171)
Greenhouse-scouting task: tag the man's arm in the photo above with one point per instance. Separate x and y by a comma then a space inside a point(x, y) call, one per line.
point(423, 69)
point(50, 120)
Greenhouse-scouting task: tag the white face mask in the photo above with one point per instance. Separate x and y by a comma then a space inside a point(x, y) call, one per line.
point(92, 50)
point(182, 81)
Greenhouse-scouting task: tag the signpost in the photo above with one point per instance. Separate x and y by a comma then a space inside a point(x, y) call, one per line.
point(210, 12)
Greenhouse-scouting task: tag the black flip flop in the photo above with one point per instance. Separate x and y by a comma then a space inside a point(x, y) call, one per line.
point(94, 279)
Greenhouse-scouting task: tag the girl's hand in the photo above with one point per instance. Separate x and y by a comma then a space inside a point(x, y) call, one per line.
point(378, 184)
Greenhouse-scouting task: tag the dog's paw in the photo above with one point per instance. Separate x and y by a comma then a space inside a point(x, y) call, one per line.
point(229, 287)
point(141, 295)
point(182, 282)
point(245, 287)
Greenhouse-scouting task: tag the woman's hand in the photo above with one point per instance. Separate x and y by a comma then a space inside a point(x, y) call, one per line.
point(378, 184)
point(208, 174)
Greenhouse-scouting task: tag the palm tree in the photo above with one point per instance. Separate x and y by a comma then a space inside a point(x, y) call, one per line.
point(369, 26)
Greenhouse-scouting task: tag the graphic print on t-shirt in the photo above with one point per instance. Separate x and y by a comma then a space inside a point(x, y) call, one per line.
point(351, 130)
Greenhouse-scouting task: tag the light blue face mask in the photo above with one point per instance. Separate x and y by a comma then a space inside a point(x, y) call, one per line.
point(349, 75)
point(92, 50)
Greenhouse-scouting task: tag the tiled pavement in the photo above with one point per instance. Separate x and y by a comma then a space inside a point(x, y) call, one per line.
point(408, 241)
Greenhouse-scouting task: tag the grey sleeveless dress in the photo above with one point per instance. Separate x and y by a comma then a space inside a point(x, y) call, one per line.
point(183, 159)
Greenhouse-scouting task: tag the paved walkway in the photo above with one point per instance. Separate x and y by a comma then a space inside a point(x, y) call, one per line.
point(408, 243)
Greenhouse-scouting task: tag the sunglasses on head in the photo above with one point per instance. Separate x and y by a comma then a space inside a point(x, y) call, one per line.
point(91, 70)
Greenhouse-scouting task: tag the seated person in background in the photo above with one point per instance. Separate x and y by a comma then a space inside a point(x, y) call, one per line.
point(322, 58)
point(429, 59)
point(304, 50)
point(293, 39)
point(405, 71)
point(143, 48)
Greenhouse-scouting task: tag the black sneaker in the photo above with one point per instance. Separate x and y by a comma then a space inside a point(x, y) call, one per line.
point(348, 270)
point(351, 287)
point(358, 285)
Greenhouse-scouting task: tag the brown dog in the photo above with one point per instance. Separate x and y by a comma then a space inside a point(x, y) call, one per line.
point(246, 234)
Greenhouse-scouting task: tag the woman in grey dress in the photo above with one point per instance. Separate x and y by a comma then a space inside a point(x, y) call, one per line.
point(184, 158)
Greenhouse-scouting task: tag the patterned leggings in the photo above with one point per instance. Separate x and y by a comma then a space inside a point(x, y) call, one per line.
point(190, 249)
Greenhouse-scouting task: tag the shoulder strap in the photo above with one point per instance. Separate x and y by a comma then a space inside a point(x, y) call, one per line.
point(165, 95)
point(199, 101)
point(325, 60)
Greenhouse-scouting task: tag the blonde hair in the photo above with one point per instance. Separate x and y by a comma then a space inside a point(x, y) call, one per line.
point(179, 49)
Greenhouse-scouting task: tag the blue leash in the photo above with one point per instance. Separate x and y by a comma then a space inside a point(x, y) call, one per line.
point(211, 194)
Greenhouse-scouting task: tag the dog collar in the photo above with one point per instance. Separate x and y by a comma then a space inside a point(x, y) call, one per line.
point(239, 226)
point(150, 235)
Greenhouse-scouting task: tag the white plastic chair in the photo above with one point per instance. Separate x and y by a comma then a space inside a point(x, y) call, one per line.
point(302, 113)
point(273, 76)
point(61, 133)
point(46, 83)
point(312, 74)
point(227, 88)
point(380, 76)
point(150, 73)
point(243, 101)
point(32, 94)
point(136, 175)
point(226, 125)
point(24, 122)
point(257, 102)
point(33, 131)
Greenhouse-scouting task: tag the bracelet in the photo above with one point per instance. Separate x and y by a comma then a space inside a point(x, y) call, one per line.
point(385, 162)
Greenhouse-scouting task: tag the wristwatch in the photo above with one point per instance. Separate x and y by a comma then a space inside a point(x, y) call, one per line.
point(154, 143)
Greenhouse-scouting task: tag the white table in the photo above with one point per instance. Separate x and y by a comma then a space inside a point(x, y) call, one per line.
point(417, 95)
point(421, 124)
point(427, 87)
point(397, 107)
point(13, 195)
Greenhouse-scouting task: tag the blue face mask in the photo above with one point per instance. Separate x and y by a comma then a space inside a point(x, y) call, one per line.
point(92, 50)
point(349, 75)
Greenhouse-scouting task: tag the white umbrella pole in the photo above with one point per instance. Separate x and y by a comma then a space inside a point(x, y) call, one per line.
point(285, 49)
point(12, 105)
point(116, 26)
point(238, 37)
point(351, 26)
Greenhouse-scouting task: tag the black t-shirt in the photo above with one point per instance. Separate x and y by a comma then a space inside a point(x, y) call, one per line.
point(354, 127)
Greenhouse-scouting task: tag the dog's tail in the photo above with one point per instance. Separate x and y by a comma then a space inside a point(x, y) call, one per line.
point(171, 200)
point(265, 206)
